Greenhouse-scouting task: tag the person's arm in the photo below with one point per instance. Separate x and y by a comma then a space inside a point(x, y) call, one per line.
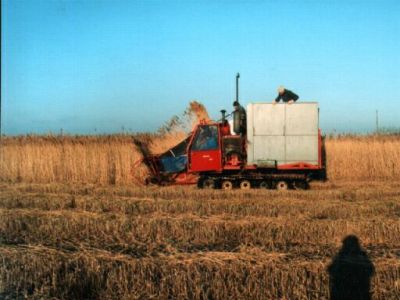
point(278, 98)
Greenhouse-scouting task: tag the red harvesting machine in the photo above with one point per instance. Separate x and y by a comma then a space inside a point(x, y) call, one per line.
point(278, 147)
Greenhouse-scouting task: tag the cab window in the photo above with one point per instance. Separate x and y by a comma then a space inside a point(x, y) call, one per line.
point(206, 138)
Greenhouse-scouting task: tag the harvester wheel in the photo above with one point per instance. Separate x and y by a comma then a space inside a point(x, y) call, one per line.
point(209, 183)
point(245, 185)
point(282, 185)
point(300, 185)
point(227, 185)
point(264, 185)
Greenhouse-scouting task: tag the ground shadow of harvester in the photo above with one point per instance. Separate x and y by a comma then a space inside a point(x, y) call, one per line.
point(350, 272)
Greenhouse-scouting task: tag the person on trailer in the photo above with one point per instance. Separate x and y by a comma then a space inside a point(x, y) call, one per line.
point(242, 116)
point(286, 96)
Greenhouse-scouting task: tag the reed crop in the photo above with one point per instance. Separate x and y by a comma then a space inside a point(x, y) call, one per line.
point(363, 157)
point(110, 159)
point(82, 159)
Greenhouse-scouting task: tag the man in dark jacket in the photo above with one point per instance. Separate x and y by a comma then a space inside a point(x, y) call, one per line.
point(240, 113)
point(287, 96)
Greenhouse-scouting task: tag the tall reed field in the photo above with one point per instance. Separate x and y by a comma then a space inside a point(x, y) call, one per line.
point(110, 159)
point(101, 159)
point(80, 159)
point(373, 157)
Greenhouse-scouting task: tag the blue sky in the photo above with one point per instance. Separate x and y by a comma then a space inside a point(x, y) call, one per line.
point(98, 66)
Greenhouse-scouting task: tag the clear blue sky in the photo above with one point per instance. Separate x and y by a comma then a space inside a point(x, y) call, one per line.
point(86, 65)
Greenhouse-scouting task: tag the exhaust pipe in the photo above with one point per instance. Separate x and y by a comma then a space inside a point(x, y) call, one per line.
point(223, 113)
point(237, 86)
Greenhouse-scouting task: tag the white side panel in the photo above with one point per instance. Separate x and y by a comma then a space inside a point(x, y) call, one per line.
point(282, 132)
point(267, 148)
point(302, 119)
point(268, 119)
point(302, 149)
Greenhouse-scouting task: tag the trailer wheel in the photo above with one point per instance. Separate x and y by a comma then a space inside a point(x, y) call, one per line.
point(209, 184)
point(282, 185)
point(227, 185)
point(264, 185)
point(300, 185)
point(245, 185)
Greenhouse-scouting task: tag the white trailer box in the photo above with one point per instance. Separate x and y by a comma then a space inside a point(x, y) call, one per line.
point(282, 133)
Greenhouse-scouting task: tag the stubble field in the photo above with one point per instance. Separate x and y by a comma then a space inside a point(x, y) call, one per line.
point(74, 226)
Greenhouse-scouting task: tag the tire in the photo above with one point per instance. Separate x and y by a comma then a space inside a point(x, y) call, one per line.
point(282, 185)
point(208, 184)
point(300, 185)
point(245, 185)
point(264, 185)
point(227, 185)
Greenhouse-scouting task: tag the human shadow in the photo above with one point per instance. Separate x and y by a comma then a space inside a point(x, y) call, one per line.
point(350, 272)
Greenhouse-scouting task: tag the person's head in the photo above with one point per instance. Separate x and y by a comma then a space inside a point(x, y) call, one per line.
point(281, 89)
point(236, 105)
point(351, 244)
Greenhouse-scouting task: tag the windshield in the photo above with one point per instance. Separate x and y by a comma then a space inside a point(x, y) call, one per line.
point(206, 138)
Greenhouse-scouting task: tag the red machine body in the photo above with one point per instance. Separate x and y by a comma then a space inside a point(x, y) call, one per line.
point(213, 160)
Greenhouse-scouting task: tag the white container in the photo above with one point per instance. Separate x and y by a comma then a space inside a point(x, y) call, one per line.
point(282, 133)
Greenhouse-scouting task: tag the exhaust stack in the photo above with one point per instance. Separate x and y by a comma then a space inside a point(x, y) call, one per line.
point(237, 86)
point(223, 113)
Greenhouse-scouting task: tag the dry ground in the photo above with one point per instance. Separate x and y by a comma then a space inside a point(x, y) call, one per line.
point(63, 241)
